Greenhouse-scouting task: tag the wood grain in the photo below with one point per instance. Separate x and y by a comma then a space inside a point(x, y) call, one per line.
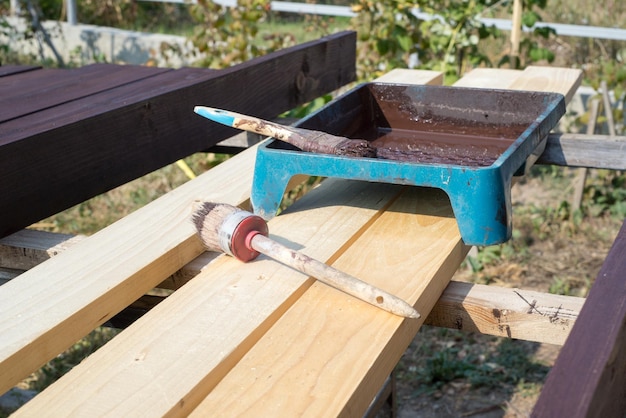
point(214, 319)
point(505, 312)
point(580, 150)
point(37, 90)
point(28, 248)
point(550, 79)
point(493, 310)
point(404, 76)
point(306, 364)
point(495, 78)
point(6, 70)
point(533, 78)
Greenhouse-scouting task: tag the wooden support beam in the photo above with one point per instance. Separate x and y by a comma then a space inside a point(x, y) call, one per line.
point(589, 376)
point(582, 150)
point(23, 98)
point(505, 312)
point(28, 248)
point(63, 155)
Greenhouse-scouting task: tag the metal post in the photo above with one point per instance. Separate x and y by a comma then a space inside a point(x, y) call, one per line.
point(71, 11)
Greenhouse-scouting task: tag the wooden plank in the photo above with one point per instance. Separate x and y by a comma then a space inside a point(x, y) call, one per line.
point(27, 248)
point(404, 76)
point(306, 364)
point(493, 310)
point(580, 150)
point(495, 78)
point(206, 314)
point(218, 316)
point(534, 78)
point(589, 376)
point(558, 80)
point(50, 307)
point(7, 70)
point(61, 156)
point(8, 274)
point(36, 90)
point(504, 312)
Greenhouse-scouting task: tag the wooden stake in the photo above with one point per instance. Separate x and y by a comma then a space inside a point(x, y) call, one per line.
point(581, 177)
point(516, 33)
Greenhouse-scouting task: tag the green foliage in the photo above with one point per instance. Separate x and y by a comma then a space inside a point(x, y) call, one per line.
point(10, 34)
point(226, 36)
point(391, 35)
point(507, 363)
point(605, 194)
point(485, 256)
point(560, 286)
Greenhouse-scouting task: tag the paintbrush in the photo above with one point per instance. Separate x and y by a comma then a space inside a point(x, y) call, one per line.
point(242, 234)
point(305, 139)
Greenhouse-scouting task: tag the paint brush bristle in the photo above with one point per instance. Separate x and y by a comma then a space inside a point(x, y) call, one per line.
point(208, 218)
point(226, 228)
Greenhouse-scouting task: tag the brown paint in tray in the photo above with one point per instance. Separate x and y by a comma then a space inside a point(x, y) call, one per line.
point(444, 126)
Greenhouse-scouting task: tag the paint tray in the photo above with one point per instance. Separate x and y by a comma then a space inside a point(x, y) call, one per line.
point(468, 142)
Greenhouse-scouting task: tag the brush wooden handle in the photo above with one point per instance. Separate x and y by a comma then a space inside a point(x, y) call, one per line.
point(305, 139)
point(333, 277)
point(246, 123)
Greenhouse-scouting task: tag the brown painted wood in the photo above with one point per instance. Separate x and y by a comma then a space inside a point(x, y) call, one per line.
point(6, 70)
point(61, 156)
point(589, 376)
point(32, 91)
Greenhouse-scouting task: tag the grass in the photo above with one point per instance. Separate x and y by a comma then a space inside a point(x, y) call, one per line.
point(98, 212)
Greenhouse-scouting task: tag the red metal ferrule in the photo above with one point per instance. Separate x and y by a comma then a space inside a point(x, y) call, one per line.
point(243, 234)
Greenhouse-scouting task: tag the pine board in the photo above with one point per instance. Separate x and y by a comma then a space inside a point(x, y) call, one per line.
point(206, 326)
point(50, 307)
point(505, 312)
point(329, 355)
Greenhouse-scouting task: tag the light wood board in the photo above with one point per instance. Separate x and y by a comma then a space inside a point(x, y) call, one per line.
point(328, 355)
point(206, 326)
point(493, 310)
point(218, 315)
point(50, 307)
point(505, 312)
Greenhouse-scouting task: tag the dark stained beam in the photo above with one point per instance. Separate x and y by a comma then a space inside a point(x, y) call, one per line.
point(58, 157)
point(589, 376)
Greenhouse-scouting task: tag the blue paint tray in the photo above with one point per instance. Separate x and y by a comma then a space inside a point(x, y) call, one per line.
point(468, 142)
